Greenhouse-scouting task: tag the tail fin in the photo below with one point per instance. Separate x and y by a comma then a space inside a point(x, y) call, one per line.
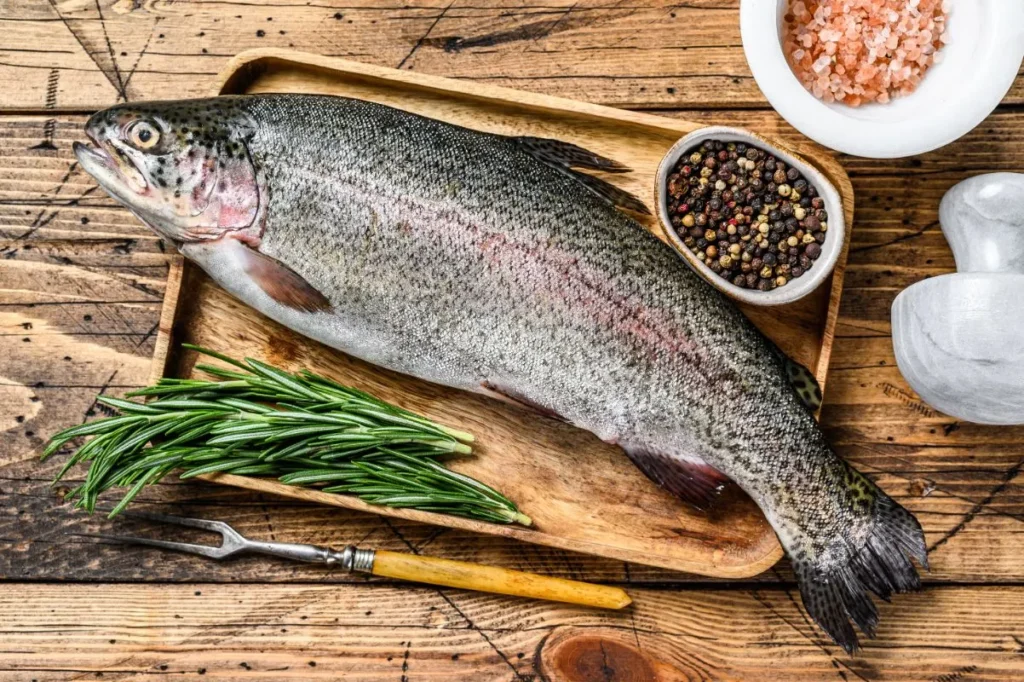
point(872, 556)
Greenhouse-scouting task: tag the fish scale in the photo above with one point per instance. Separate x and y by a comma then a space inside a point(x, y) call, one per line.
point(486, 263)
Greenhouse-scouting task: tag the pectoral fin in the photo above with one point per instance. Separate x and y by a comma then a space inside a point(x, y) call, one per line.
point(687, 477)
point(280, 282)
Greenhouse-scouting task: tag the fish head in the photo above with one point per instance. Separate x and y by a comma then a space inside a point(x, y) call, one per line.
point(184, 168)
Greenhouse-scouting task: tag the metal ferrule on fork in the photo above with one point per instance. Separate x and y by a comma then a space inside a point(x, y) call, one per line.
point(353, 559)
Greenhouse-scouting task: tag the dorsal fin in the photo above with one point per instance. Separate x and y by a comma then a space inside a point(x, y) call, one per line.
point(687, 477)
point(568, 155)
point(565, 156)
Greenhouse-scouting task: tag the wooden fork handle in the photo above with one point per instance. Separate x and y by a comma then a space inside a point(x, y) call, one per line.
point(469, 576)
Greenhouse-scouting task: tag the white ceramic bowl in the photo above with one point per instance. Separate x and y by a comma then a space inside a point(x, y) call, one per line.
point(985, 46)
point(798, 287)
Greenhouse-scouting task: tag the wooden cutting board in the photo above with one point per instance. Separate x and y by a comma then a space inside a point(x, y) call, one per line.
point(583, 495)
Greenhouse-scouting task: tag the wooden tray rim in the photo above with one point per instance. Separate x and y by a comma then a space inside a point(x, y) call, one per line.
point(235, 72)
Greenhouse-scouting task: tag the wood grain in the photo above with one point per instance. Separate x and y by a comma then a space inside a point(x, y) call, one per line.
point(91, 292)
point(75, 287)
point(375, 632)
point(80, 54)
point(80, 302)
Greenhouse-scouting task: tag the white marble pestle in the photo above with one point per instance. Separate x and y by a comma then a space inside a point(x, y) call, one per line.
point(959, 338)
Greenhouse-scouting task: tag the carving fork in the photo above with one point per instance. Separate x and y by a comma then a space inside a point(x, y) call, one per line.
point(411, 567)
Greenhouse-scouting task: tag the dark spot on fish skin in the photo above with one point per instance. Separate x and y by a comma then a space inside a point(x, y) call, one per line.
point(160, 36)
point(338, 15)
point(260, 33)
point(202, 33)
point(670, 91)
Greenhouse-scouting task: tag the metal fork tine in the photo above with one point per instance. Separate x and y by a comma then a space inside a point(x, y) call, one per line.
point(202, 550)
point(205, 524)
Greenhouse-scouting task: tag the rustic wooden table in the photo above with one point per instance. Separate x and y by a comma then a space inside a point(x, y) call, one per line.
point(81, 284)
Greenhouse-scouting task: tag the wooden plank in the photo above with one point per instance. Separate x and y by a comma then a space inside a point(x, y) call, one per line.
point(638, 54)
point(75, 286)
point(374, 632)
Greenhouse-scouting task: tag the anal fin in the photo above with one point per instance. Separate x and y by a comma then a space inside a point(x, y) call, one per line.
point(687, 477)
point(565, 156)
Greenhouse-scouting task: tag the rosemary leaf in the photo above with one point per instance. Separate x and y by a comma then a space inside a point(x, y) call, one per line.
point(258, 420)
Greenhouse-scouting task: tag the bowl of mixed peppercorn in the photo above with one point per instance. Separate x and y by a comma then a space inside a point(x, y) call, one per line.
point(758, 223)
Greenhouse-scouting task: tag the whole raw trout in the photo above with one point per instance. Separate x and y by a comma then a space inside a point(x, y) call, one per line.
point(486, 263)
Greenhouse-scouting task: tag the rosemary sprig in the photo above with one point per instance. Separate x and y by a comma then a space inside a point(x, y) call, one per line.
point(303, 429)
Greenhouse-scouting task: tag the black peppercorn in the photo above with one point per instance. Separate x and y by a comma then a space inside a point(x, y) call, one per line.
point(717, 198)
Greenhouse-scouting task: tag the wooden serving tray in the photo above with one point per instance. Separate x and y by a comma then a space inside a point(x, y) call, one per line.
point(584, 495)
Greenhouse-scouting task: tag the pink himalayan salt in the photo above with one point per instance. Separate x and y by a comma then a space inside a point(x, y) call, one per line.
point(860, 51)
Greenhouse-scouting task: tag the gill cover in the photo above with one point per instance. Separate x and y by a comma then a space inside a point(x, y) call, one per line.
point(182, 167)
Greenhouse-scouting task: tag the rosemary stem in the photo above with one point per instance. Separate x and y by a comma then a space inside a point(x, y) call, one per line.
point(300, 428)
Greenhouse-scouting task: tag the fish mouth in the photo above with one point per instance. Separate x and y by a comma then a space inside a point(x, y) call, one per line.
point(111, 168)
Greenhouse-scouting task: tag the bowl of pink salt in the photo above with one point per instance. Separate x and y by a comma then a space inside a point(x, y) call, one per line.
point(883, 78)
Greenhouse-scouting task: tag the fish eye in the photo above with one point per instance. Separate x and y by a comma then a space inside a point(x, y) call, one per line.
point(143, 135)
